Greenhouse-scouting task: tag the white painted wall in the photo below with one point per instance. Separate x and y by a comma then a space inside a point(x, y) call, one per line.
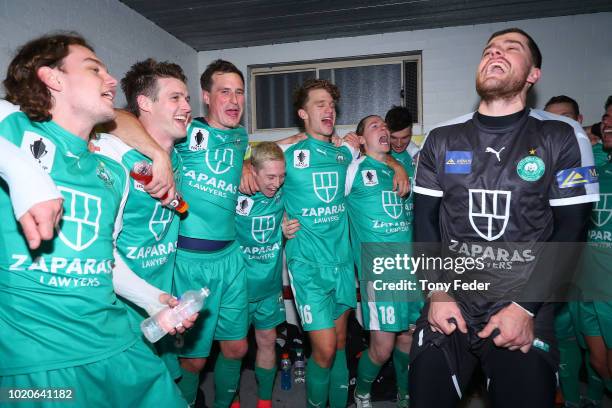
point(119, 35)
point(577, 54)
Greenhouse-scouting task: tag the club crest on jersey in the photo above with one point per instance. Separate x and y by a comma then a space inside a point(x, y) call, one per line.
point(301, 159)
point(222, 160)
point(392, 204)
point(198, 139)
point(340, 158)
point(458, 162)
point(160, 220)
point(41, 149)
point(602, 211)
point(369, 177)
point(104, 175)
point(325, 185)
point(577, 176)
point(530, 168)
point(244, 205)
point(489, 212)
point(262, 228)
point(81, 219)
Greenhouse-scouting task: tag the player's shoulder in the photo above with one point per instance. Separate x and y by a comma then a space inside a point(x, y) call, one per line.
point(448, 129)
point(293, 142)
point(110, 145)
point(7, 109)
point(552, 123)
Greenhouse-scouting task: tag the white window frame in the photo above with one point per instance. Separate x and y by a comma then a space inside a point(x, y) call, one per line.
point(283, 68)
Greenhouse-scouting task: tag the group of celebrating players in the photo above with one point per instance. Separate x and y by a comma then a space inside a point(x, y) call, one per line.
point(72, 304)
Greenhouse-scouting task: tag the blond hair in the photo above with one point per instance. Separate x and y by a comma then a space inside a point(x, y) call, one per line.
point(264, 152)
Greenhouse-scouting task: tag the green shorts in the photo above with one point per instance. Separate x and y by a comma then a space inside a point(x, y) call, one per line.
point(267, 313)
point(566, 320)
point(595, 319)
point(392, 313)
point(225, 312)
point(322, 293)
point(132, 378)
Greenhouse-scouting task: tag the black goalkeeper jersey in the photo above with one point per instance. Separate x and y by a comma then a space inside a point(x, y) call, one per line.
point(497, 186)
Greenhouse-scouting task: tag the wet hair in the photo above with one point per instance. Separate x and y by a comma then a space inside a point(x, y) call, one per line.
point(22, 84)
point(398, 118)
point(362, 124)
point(142, 78)
point(534, 50)
point(300, 95)
point(218, 67)
point(564, 99)
point(264, 152)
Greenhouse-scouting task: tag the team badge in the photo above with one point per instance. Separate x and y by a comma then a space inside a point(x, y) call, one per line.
point(340, 158)
point(40, 148)
point(602, 211)
point(370, 178)
point(221, 161)
point(262, 228)
point(81, 219)
point(160, 220)
point(244, 206)
point(104, 175)
point(530, 168)
point(458, 162)
point(325, 185)
point(198, 139)
point(489, 212)
point(577, 176)
point(301, 159)
point(392, 204)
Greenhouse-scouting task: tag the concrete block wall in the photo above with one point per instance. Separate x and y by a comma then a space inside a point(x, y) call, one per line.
point(576, 50)
point(119, 35)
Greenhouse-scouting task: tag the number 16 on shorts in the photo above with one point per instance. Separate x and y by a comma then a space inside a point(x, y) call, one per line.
point(305, 314)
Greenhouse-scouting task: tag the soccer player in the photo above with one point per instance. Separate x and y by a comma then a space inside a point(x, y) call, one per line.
point(156, 93)
point(399, 122)
point(258, 225)
point(208, 254)
point(319, 259)
point(376, 215)
point(595, 317)
point(504, 174)
point(570, 340)
point(62, 326)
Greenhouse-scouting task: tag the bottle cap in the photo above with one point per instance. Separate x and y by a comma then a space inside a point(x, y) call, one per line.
point(285, 355)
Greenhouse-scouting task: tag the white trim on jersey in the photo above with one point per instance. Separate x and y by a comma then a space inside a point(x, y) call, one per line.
point(354, 152)
point(351, 173)
point(588, 198)
point(428, 191)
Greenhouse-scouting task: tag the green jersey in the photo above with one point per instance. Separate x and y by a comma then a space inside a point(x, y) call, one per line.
point(408, 162)
point(58, 305)
point(600, 155)
point(147, 241)
point(376, 213)
point(316, 174)
point(212, 163)
point(258, 226)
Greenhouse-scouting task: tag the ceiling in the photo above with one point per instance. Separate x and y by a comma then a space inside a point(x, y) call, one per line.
point(220, 24)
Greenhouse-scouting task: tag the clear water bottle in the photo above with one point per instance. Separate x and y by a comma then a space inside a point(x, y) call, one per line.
point(285, 372)
point(158, 325)
point(299, 367)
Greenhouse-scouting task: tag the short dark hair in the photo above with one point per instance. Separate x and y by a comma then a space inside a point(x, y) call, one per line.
point(22, 84)
point(608, 102)
point(534, 50)
point(215, 67)
point(142, 78)
point(300, 95)
point(564, 99)
point(362, 124)
point(398, 118)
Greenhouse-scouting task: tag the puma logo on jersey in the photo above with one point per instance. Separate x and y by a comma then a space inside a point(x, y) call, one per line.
point(323, 152)
point(496, 153)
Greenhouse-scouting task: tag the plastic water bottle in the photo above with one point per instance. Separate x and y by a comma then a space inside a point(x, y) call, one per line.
point(158, 325)
point(299, 367)
point(142, 172)
point(285, 372)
